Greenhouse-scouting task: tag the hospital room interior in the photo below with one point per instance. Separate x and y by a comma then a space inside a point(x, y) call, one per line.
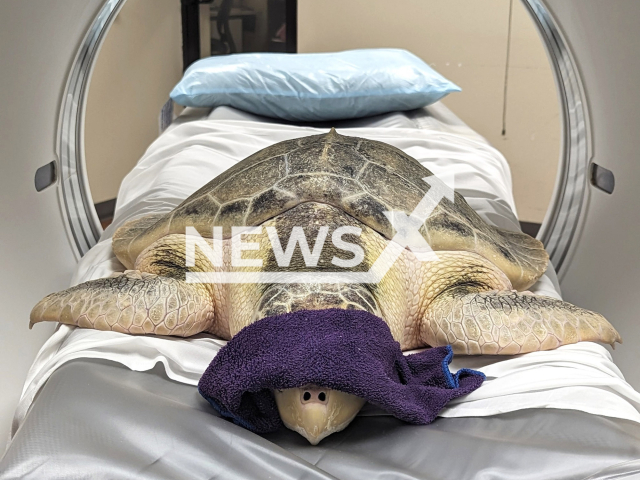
point(320, 239)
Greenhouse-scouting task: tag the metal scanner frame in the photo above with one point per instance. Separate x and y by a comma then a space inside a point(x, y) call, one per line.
point(561, 223)
point(75, 195)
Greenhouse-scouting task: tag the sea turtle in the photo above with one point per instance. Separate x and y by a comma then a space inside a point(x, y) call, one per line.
point(471, 294)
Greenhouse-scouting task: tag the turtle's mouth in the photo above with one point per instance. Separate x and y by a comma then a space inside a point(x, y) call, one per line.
point(316, 412)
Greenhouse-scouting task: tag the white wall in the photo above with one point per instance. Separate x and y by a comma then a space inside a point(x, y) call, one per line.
point(604, 269)
point(138, 65)
point(38, 41)
point(465, 40)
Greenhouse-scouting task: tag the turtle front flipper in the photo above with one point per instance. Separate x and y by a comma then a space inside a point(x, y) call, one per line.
point(476, 322)
point(131, 302)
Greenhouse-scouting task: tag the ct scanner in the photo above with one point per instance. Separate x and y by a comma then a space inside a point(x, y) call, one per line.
point(47, 50)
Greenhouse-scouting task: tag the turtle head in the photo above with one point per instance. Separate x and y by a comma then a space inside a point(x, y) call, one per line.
point(312, 411)
point(316, 412)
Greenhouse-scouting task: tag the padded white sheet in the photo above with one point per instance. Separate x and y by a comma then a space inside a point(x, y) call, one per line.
point(199, 146)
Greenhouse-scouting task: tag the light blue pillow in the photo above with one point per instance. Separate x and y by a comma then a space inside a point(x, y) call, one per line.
point(313, 86)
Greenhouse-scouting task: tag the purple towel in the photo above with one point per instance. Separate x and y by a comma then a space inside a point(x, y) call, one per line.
point(348, 350)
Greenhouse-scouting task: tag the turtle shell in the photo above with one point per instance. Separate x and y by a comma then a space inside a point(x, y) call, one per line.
point(361, 177)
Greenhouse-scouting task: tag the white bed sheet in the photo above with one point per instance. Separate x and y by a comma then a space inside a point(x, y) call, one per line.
point(201, 145)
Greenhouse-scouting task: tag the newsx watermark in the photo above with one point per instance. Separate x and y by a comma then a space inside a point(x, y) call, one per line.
point(407, 236)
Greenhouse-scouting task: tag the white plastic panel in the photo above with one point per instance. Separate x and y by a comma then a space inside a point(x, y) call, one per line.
point(38, 42)
point(603, 270)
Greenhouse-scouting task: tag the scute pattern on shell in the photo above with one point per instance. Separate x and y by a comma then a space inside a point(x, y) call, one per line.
point(363, 178)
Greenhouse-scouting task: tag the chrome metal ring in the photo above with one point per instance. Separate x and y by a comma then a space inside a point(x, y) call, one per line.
point(561, 224)
point(74, 190)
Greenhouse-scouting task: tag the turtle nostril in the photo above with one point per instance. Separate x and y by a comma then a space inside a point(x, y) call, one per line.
point(315, 395)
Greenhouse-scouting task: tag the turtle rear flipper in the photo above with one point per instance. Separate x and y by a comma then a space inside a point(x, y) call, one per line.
point(521, 257)
point(129, 231)
point(132, 302)
point(477, 322)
